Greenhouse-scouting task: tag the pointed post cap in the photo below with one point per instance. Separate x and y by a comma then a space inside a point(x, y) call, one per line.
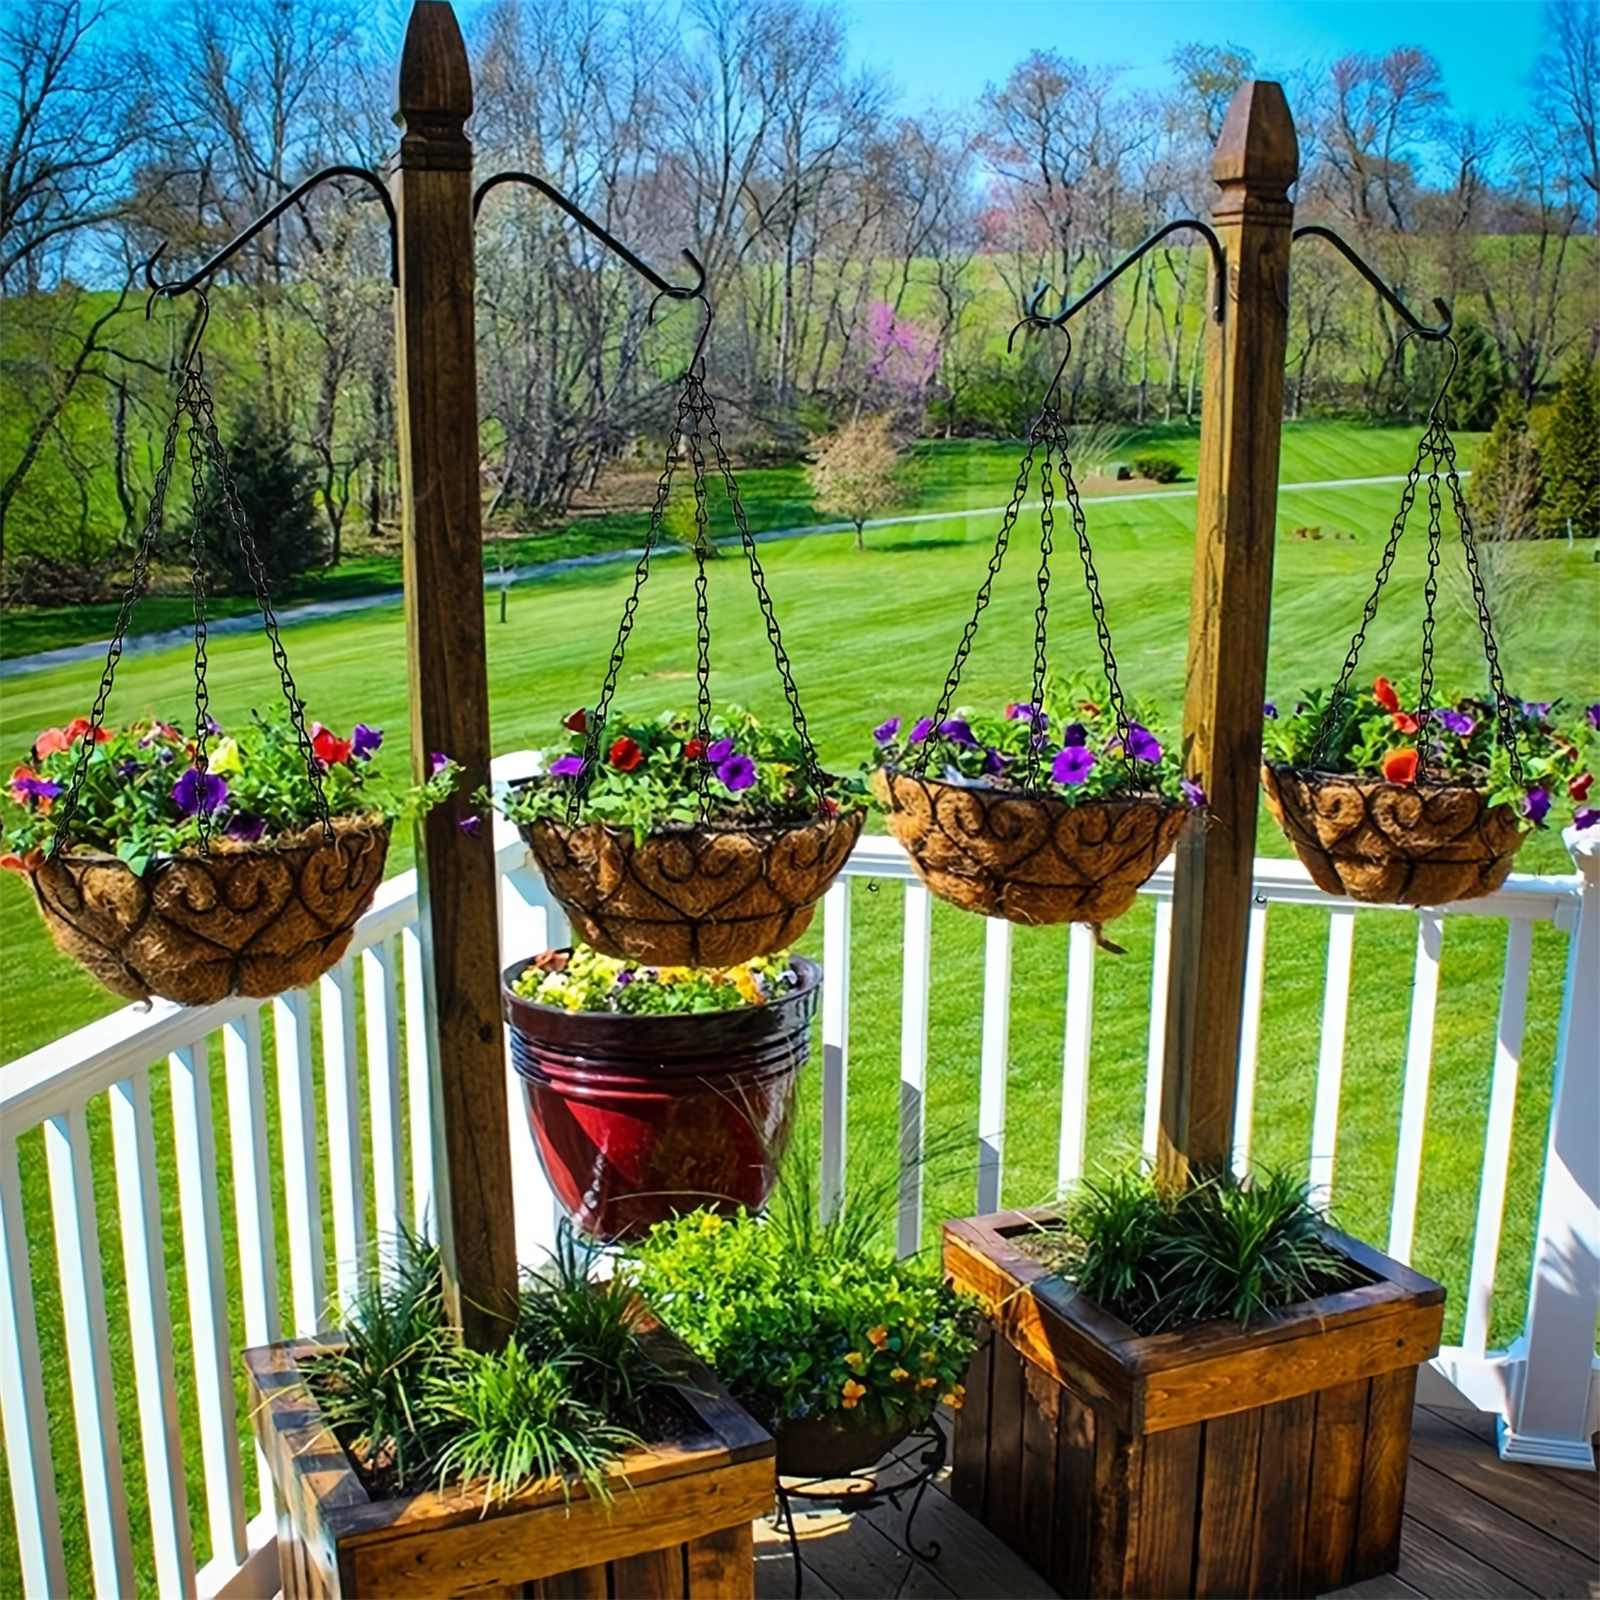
point(435, 80)
point(1257, 149)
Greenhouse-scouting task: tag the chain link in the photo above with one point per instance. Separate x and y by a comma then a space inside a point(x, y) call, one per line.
point(1430, 594)
point(702, 614)
point(1047, 523)
point(197, 585)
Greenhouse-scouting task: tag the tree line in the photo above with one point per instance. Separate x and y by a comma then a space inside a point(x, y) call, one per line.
point(864, 257)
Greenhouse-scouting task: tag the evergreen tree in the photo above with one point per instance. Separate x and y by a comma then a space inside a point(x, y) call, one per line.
point(1571, 453)
point(1503, 494)
point(276, 495)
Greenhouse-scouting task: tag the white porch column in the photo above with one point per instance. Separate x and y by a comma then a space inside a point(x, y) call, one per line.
point(1550, 1419)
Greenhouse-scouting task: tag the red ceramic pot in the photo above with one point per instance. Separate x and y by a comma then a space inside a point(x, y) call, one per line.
point(640, 1118)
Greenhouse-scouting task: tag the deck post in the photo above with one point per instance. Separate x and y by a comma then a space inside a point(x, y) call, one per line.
point(447, 662)
point(1257, 158)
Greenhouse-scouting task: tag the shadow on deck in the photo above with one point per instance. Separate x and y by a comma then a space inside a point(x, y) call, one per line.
point(1474, 1525)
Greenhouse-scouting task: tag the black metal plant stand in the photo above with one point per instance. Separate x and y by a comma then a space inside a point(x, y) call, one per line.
point(907, 1470)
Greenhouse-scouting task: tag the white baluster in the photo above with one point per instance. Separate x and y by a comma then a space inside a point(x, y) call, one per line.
point(1497, 1135)
point(342, 1086)
point(150, 1324)
point(1414, 1101)
point(1075, 1054)
point(1155, 1059)
point(27, 1426)
point(419, 1098)
point(252, 1182)
point(302, 1193)
point(835, 1042)
point(195, 1143)
point(995, 1063)
point(382, 994)
point(1255, 968)
point(1330, 1064)
point(913, 1064)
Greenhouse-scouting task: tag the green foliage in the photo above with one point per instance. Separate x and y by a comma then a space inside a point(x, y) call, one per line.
point(1225, 1247)
point(584, 980)
point(1571, 452)
point(662, 771)
point(806, 1318)
point(1158, 469)
point(1504, 491)
point(143, 794)
point(1481, 376)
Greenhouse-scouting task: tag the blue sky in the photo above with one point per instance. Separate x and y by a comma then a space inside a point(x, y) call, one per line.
point(944, 51)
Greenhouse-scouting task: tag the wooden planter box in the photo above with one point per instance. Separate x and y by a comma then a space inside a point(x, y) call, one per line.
point(1217, 1460)
point(682, 1530)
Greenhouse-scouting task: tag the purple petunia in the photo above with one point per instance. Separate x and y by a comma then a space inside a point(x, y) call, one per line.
point(1270, 711)
point(1072, 764)
point(1193, 791)
point(1458, 722)
point(437, 762)
point(566, 766)
point(36, 788)
point(194, 793)
point(1142, 744)
point(1539, 709)
point(922, 729)
point(736, 773)
point(245, 826)
point(885, 731)
point(994, 763)
point(958, 731)
point(718, 751)
point(1536, 805)
point(365, 741)
point(1592, 715)
point(1074, 734)
point(1585, 818)
point(127, 769)
point(1026, 712)
point(622, 979)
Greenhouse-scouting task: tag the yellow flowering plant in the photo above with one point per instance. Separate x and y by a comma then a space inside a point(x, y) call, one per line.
point(582, 979)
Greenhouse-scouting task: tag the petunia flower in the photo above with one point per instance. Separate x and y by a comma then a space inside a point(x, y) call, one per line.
point(245, 826)
point(1538, 709)
point(1592, 715)
point(328, 747)
point(1458, 723)
point(1578, 788)
point(1400, 766)
point(1383, 693)
point(50, 742)
point(1074, 734)
point(1581, 819)
point(1536, 805)
point(1404, 722)
point(1142, 744)
point(365, 742)
point(718, 751)
point(226, 757)
point(437, 762)
point(578, 721)
point(194, 793)
point(31, 862)
point(129, 769)
point(26, 785)
point(958, 731)
point(566, 766)
point(625, 755)
point(1025, 711)
point(885, 731)
point(1193, 791)
point(994, 764)
point(694, 750)
point(1269, 710)
point(1072, 765)
point(923, 728)
point(738, 772)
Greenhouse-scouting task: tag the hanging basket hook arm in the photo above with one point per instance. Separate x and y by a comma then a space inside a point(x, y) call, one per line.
point(1100, 285)
point(267, 218)
point(608, 239)
point(1315, 230)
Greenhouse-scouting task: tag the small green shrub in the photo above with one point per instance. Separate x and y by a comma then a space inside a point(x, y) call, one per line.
point(1159, 1258)
point(1158, 469)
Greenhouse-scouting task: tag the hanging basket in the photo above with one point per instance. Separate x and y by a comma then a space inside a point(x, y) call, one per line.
point(1412, 844)
point(692, 894)
point(244, 920)
point(1029, 857)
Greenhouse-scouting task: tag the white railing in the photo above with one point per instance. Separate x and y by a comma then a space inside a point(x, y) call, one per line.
point(113, 1131)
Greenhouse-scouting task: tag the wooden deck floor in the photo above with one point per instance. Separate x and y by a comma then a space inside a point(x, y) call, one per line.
point(1475, 1525)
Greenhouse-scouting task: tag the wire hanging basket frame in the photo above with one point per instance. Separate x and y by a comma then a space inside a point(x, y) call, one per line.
point(201, 924)
point(1025, 853)
point(1435, 839)
point(707, 893)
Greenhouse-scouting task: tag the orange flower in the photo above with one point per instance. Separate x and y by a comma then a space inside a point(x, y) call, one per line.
point(878, 1336)
point(1383, 692)
point(853, 1392)
point(954, 1398)
point(12, 862)
point(1405, 722)
point(49, 742)
point(900, 1375)
point(1400, 766)
point(927, 1383)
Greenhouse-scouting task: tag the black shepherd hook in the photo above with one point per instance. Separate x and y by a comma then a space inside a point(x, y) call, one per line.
point(610, 241)
point(1414, 327)
point(191, 360)
point(1436, 410)
point(1036, 319)
point(1219, 275)
point(696, 356)
point(228, 251)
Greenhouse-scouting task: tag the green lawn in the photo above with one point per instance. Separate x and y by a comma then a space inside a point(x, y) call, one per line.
point(870, 634)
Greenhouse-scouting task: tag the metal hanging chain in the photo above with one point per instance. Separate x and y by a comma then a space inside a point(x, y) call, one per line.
point(1047, 523)
point(708, 415)
point(197, 586)
point(1037, 435)
point(702, 610)
point(205, 417)
point(60, 838)
point(1430, 594)
point(595, 723)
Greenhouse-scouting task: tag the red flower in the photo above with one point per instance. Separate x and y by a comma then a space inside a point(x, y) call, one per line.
point(1578, 788)
point(694, 750)
point(1400, 766)
point(1384, 693)
point(328, 747)
point(50, 741)
point(578, 722)
point(1405, 722)
point(12, 862)
point(625, 755)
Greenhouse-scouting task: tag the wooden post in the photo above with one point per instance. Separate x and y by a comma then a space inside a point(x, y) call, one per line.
point(1256, 159)
point(432, 182)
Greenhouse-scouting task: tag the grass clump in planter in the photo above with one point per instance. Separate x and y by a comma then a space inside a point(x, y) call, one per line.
point(573, 1388)
point(1161, 1258)
point(809, 1321)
